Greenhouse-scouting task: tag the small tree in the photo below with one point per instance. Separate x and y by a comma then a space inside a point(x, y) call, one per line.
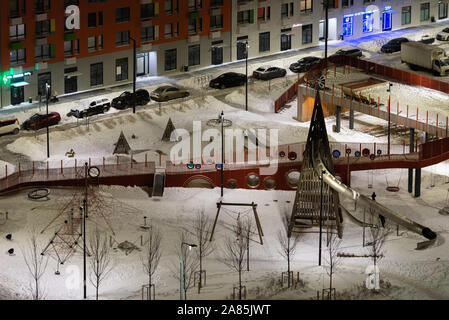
point(378, 236)
point(202, 227)
point(288, 249)
point(99, 260)
point(152, 253)
point(189, 262)
point(36, 263)
point(332, 259)
point(234, 253)
point(248, 229)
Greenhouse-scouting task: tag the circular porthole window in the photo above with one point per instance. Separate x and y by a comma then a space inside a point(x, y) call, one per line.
point(292, 155)
point(232, 184)
point(253, 181)
point(270, 184)
point(293, 179)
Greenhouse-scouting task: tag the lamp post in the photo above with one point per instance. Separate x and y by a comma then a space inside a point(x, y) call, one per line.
point(246, 63)
point(86, 169)
point(389, 116)
point(326, 33)
point(321, 217)
point(181, 270)
point(134, 73)
point(47, 89)
point(222, 151)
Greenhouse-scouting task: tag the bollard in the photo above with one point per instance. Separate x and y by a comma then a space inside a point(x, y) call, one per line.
point(33, 167)
point(104, 163)
point(141, 240)
point(61, 167)
point(89, 162)
point(6, 171)
point(47, 168)
point(146, 160)
point(75, 164)
point(436, 129)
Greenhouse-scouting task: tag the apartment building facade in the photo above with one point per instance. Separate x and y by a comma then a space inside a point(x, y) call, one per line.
point(171, 36)
point(272, 26)
point(37, 48)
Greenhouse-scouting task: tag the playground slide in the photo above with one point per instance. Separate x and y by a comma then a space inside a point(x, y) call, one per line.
point(373, 206)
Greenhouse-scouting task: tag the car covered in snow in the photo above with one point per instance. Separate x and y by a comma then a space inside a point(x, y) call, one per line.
point(394, 45)
point(125, 100)
point(350, 52)
point(443, 35)
point(95, 107)
point(268, 73)
point(39, 121)
point(9, 126)
point(165, 93)
point(304, 64)
point(228, 80)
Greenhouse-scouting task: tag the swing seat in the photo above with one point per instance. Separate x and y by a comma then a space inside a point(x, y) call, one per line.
point(393, 189)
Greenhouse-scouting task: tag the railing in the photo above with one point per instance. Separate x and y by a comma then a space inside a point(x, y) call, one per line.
point(288, 95)
point(73, 169)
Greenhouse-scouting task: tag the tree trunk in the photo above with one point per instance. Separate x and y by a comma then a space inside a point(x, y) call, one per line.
point(201, 262)
point(37, 289)
point(240, 283)
point(288, 269)
point(96, 289)
point(247, 254)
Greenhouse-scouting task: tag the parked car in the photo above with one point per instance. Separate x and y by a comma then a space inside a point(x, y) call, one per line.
point(443, 35)
point(39, 121)
point(165, 93)
point(427, 39)
point(228, 80)
point(268, 73)
point(394, 45)
point(304, 64)
point(351, 52)
point(95, 107)
point(125, 100)
point(9, 126)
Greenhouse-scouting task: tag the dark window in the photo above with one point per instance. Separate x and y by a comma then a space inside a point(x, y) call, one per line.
point(70, 82)
point(286, 42)
point(194, 55)
point(42, 52)
point(42, 28)
point(100, 18)
point(284, 10)
point(217, 52)
point(17, 57)
point(442, 10)
point(121, 69)
point(425, 11)
point(406, 17)
point(244, 17)
point(96, 74)
point(91, 44)
point(307, 34)
point(17, 32)
point(147, 34)
point(241, 48)
point(147, 10)
point(216, 22)
point(92, 20)
point(264, 41)
point(170, 59)
point(42, 80)
point(122, 38)
point(122, 15)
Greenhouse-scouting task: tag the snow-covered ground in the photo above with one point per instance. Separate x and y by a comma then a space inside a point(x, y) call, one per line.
point(412, 274)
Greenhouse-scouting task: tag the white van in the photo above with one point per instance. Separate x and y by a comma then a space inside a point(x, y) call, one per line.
point(8, 126)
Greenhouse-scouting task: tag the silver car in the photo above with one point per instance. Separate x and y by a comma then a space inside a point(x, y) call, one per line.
point(166, 93)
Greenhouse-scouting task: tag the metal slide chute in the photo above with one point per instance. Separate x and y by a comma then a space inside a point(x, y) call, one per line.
point(373, 206)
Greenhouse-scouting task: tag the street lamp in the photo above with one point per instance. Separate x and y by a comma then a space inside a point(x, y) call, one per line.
point(134, 73)
point(389, 122)
point(181, 269)
point(47, 89)
point(222, 151)
point(321, 217)
point(326, 34)
point(246, 63)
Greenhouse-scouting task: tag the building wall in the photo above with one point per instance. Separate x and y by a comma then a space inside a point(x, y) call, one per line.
point(228, 34)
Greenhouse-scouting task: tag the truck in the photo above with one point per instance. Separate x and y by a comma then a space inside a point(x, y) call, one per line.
point(419, 55)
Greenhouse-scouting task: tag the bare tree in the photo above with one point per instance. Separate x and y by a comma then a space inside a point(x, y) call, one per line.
point(331, 258)
point(202, 228)
point(288, 249)
point(99, 260)
point(152, 253)
point(235, 247)
point(36, 263)
point(248, 230)
point(378, 236)
point(189, 262)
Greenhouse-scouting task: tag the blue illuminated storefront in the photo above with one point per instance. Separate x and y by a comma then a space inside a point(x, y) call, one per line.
point(387, 19)
point(348, 24)
point(368, 20)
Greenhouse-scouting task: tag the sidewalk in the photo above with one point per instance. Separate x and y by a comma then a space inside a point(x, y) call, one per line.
point(153, 80)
